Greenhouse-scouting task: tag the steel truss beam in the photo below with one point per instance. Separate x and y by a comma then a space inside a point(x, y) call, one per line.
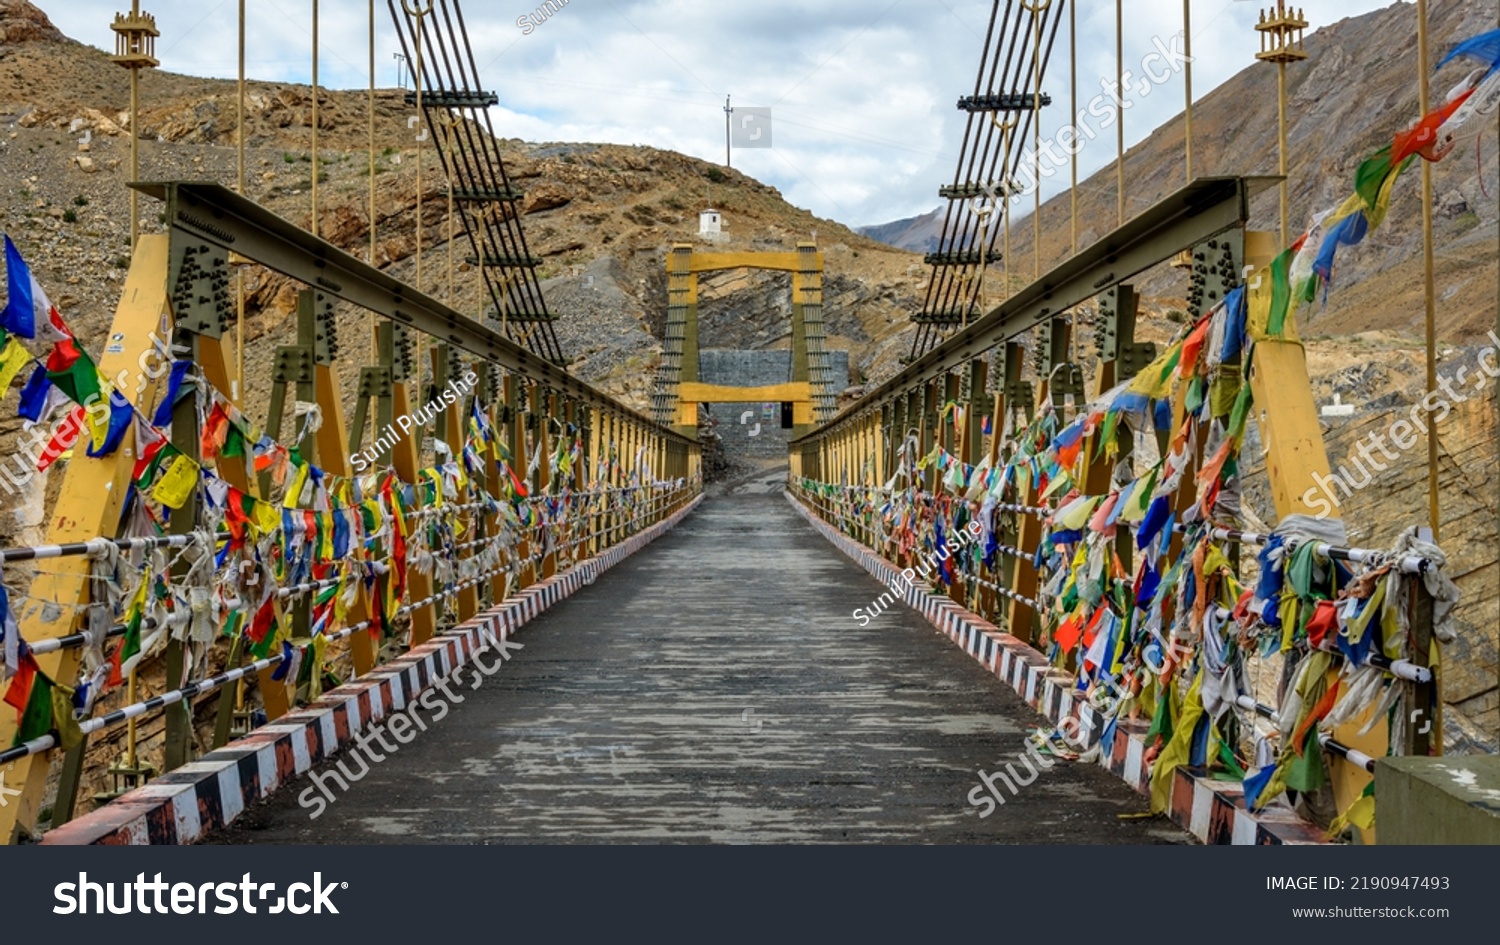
point(218, 216)
point(1198, 212)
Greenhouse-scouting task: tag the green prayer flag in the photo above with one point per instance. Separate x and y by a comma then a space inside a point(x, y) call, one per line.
point(234, 442)
point(1281, 294)
point(1371, 175)
point(131, 644)
point(79, 380)
point(36, 721)
point(1161, 723)
point(1107, 433)
point(1195, 393)
point(1070, 598)
point(1241, 413)
point(262, 649)
point(1305, 772)
point(1231, 764)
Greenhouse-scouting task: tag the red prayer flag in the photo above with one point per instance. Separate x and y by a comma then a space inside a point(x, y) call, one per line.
point(20, 685)
point(215, 430)
point(1422, 137)
point(1067, 635)
point(66, 435)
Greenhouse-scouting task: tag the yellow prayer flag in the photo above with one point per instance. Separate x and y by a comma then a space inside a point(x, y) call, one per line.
point(1214, 561)
point(1061, 483)
point(1156, 380)
point(12, 360)
point(1140, 500)
point(1382, 206)
point(69, 733)
point(1224, 391)
point(1347, 209)
point(1360, 814)
point(177, 484)
point(266, 518)
point(1179, 749)
point(317, 652)
point(98, 420)
point(1078, 512)
point(1392, 639)
point(1259, 297)
point(294, 491)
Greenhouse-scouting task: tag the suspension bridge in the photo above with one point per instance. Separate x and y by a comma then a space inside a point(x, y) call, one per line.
point(497, 604)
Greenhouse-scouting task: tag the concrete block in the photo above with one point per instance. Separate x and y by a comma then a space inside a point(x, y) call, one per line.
point(1449, 800)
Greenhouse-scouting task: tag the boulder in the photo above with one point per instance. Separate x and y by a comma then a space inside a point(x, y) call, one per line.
point(545, 197)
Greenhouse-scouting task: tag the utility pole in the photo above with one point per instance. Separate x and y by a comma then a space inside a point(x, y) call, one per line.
point(728, 119)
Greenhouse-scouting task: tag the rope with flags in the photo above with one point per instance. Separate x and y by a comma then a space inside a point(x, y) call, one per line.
point(317, 534)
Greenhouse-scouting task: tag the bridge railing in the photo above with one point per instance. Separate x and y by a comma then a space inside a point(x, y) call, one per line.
point(594, 519)
point(204, 571)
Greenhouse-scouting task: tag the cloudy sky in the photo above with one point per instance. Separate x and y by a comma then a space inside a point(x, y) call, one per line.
point(862, 92)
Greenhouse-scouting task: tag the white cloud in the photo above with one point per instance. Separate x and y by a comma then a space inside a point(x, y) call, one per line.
point(863, 92)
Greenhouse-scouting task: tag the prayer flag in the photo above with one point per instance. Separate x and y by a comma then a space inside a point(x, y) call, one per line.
point(27, 305)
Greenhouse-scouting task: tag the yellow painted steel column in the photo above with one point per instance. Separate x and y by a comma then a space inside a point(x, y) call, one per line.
point(515, 391)
point(1296, 462)
point(88, 505)
point(406, 459)
point(333, 457)
point(495, 482)
point(596, 458)
point(453, 435)
point(1296, 458)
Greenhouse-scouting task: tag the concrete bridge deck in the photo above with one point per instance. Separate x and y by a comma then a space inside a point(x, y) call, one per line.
point(715, 688)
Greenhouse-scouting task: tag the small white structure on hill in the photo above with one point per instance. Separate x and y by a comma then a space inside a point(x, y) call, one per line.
point(711, 225)
point(1338, 408)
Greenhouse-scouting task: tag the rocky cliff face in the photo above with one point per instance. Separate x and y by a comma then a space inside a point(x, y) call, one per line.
point(20, 22)
point(1355, 92)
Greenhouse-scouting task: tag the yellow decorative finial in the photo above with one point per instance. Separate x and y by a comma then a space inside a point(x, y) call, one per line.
point(135, 39)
